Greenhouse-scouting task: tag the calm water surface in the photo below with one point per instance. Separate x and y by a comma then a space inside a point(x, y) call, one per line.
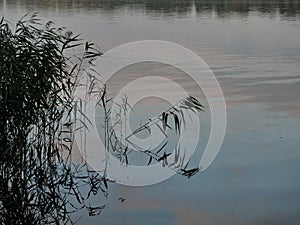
point(253, 48)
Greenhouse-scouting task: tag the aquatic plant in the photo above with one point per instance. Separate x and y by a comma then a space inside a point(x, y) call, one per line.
point(40, 182)
point(38, 179)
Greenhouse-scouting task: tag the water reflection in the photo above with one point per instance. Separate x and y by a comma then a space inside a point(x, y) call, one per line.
point(222, 8)
point(256, 60)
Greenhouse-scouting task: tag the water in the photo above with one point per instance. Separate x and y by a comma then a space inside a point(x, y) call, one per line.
point(253, 49)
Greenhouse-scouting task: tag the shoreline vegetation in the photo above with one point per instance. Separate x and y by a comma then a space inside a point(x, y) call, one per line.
point(37, 181)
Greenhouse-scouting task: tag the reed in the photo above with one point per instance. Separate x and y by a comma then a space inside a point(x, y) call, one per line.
point(38, 179)
point(39, 116)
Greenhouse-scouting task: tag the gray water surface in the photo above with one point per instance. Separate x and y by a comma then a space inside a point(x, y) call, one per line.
point(253, 49)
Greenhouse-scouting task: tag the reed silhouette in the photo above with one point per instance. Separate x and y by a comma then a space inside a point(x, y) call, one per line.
point(38, 179)
point(40, 183)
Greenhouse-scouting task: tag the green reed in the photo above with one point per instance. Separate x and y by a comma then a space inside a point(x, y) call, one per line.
point(37, 82)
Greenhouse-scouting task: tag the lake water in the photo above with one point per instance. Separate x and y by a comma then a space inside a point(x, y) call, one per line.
point(253, 49)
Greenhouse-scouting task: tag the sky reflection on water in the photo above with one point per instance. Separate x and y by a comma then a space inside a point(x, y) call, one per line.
point(254, 51)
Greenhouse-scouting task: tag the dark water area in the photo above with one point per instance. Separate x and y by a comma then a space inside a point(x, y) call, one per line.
point(288, 8)
point(253, 49)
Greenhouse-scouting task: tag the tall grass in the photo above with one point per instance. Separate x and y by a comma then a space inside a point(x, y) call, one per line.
point(37, 81)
